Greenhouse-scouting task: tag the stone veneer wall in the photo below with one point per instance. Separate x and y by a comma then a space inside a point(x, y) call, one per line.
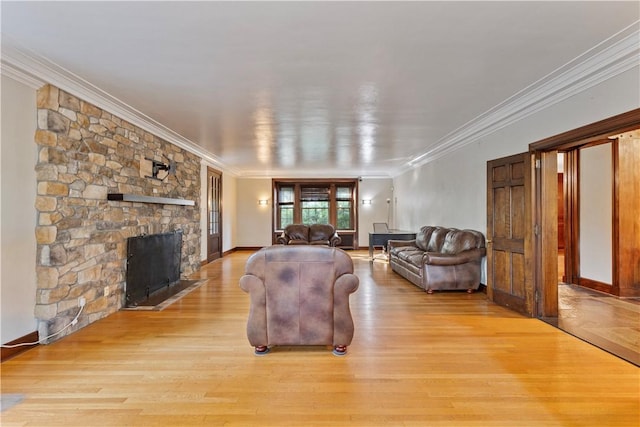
point(84, 153)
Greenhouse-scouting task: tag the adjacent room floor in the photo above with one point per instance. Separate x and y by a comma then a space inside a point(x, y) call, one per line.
point(605, 321)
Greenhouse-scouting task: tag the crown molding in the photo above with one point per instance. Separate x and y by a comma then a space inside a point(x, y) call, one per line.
point(18, 75)
point(616, 55)
point(298, 173)
point(35, 71)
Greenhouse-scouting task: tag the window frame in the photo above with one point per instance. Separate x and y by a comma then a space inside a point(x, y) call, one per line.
point(298, 184)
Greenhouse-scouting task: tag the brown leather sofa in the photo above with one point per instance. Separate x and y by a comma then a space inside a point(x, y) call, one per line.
point(314, 234)
point(440, 258)
point(299, 296)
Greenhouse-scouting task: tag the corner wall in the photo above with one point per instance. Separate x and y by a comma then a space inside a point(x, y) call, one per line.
point(380, 192)
point(253, 221)
point(17, 215)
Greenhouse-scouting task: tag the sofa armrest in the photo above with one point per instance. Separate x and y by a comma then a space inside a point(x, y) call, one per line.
point(436, 258)
point(335, 240)
point(397, 243)
point(282, 239)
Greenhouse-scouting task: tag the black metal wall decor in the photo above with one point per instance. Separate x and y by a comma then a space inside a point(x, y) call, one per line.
point(157, 166)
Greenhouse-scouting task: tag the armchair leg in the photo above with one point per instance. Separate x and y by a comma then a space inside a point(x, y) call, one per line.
point(429, 291)
point(261, 350)
point(470, 290)
point(340, 350)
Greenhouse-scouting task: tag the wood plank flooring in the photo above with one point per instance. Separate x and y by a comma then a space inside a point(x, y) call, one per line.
point(606, 321)
point(447, 359)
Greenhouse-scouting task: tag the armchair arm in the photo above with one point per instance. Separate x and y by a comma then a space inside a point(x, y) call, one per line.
point(335, 240)
point(397, 243)
point(283, 239)
point(342, 320)
point(257, 322)
point(435, 258)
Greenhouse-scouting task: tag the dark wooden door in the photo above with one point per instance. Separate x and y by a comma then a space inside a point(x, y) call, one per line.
point(509, 261)
point(214, 214)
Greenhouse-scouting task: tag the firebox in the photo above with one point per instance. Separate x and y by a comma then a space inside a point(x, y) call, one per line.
point(153, 264)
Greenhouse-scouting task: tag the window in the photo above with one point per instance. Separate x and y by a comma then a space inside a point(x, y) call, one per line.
point(315, 202)
point(286, 197)
point(344, 208)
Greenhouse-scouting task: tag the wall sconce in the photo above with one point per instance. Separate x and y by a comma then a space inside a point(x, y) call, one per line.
point(263, 202)
point(366, 201)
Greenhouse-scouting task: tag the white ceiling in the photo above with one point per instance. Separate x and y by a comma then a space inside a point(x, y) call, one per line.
point(317, 88)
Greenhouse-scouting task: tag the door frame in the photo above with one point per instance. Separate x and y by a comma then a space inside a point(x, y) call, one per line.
point(210, 172)
point(544, 153)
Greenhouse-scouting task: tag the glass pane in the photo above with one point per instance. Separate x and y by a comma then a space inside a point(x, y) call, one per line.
point(286, 194)
point(286, 216)
point(315, 212)
point(344, 215)
point(343, 193)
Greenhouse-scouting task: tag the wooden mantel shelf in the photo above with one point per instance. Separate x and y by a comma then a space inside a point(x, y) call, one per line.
point(149, 199)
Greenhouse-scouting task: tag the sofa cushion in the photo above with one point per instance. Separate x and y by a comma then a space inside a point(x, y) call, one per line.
point(437, 239)
point(424, 236)
point(409, 254)
point(409, 266)
point(457, 241)
point(298, 232)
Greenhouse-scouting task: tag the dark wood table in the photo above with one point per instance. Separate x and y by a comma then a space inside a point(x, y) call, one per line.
point(381, 239)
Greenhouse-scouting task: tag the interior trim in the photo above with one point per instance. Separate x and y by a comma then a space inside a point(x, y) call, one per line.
point(614, 56)
point(34, 68)
point(8, 353)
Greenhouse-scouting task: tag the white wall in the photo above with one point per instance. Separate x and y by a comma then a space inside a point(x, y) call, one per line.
point(228, 209)
point(253, 221)
point(378, 191)
point(229, 212)
point(17, 213)
point(452, 190)
point(596, 213)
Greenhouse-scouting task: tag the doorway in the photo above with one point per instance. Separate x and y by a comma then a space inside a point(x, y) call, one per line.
point(214, 214)
point(602, 310)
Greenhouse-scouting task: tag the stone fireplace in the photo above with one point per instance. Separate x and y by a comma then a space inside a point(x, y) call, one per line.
point(84, 154)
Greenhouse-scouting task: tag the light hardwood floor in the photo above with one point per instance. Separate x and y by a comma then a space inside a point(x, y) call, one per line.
point(448, 359)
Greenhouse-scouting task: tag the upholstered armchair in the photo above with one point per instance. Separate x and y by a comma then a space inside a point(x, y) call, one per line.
point(299, 295)
point(314, 234)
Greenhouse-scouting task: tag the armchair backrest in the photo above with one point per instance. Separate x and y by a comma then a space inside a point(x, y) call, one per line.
point(299, 296)
point(297, 232)
point(321, 233)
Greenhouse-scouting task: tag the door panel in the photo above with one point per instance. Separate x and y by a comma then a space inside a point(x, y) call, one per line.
point(508, 237)
point(214, 214)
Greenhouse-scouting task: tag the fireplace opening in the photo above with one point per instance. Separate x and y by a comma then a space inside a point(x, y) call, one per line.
point(153, 268)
